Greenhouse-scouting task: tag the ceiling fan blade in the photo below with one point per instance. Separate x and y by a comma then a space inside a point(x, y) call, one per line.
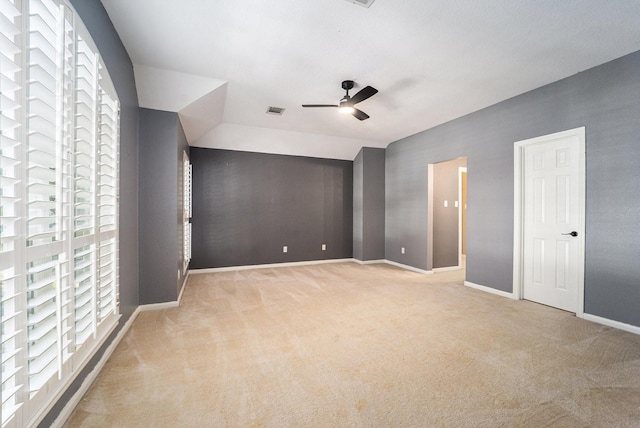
point(364, 93)
point(359, 114)
point(319, 105)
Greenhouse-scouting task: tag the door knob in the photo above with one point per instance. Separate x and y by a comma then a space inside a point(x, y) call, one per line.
point(574, 233)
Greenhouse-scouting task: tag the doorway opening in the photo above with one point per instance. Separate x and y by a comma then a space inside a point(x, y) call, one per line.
point(447, 194)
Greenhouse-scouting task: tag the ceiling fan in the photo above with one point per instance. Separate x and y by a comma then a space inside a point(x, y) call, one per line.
point(347, 103)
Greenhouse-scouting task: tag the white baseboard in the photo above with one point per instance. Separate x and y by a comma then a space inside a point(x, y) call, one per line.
point(93, 375)
point(268, 266)
point(293, 264)
point(184, 285)
point(611, 323)
point(489, 290)
point(588, 317)
point(158, 306)
point(369, 262)
point(407, 267)
point(165, 305)
point(446, 269)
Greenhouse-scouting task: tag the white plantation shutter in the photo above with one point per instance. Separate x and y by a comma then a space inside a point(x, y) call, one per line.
point(107, 194)
point(43, 282)
point(46, 173)
point(187, 243)
point(107, 265)
point(59, 120)
point(84, 193)
point(11, 211)
point(84, 293)
point(85, 140)
point(186, 209)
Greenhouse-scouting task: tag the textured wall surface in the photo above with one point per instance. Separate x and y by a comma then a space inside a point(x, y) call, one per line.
point(247, 206)
point(606, 100)
point(406, 203)
point(368, 204)
point(358, 204)
point(158, 206)
point(373, 204)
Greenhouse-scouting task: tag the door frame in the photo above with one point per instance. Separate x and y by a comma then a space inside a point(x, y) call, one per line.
point(461, 169)
point(518, 211)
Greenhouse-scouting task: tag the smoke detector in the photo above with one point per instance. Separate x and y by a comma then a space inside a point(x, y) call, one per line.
point(275, 110)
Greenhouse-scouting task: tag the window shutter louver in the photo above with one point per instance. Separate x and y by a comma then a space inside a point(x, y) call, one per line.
point(107, 295)
point(41, 321)
point(84, 278)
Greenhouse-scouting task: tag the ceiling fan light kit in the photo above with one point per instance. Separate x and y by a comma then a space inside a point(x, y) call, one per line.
point(346, 107)
point(347, 103)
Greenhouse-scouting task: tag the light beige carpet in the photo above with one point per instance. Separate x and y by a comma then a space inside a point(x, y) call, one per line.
point(345, 345)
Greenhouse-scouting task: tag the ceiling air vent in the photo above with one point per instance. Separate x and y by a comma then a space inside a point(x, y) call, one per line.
point(363, 3)
point(275, 110)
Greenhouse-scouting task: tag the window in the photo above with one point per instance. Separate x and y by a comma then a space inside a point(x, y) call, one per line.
point(186, 209)
point(59, 122)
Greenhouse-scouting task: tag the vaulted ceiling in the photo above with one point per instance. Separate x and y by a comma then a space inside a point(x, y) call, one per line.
point(221, 63)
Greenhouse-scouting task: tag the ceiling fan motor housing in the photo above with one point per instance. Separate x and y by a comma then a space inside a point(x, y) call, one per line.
point(347, 85)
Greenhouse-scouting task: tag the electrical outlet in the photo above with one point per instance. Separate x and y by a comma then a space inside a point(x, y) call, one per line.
point(284, 249)
point(401, 250)
point(324, 247)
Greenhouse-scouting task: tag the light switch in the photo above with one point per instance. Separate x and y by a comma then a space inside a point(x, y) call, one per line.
point(324, 247)
point(446, 204)
point(402, 250)
point(284, 249)
point(455, 204)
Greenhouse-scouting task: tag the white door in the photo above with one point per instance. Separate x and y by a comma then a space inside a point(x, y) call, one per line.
point(553, 212)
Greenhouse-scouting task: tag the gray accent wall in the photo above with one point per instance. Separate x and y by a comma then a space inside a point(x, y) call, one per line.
point(358, 207)
point(406, 203)
point(162, 141)
point(368, 204)
point(120, 69)
point(247, 206)
point(606, 100)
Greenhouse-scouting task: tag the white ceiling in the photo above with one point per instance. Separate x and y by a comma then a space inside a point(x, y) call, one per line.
point(221, 63)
